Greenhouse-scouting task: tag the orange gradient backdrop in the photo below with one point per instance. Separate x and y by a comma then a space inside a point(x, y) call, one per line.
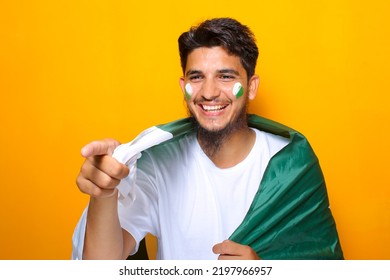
point(74, 71)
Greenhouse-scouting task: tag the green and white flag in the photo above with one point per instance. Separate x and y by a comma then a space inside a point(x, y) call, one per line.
point(289, 217)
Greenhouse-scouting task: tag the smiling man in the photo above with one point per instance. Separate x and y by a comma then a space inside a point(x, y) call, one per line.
point(226, 185)
point(210, 74)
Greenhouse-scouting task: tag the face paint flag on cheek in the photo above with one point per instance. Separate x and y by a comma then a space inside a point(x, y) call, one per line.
point(238, 90)
point(188, 91)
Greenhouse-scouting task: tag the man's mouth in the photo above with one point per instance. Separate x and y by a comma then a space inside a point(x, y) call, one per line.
point(213, 108)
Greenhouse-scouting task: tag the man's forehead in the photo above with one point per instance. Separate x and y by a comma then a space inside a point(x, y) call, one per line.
point(211, 50)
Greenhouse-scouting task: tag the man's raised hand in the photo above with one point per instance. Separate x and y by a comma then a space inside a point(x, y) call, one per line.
point(100, 173)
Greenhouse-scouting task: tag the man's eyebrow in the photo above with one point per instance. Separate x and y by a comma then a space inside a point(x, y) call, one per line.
point(193, 72)
point(228, 71)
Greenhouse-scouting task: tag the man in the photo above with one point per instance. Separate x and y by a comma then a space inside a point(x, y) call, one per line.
point(200, 193)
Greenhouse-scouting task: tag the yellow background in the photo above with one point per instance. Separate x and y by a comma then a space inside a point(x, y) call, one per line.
point(74, 71)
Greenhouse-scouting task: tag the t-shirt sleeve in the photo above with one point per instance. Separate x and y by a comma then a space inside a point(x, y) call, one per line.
point(276, 143)
point(140, 216)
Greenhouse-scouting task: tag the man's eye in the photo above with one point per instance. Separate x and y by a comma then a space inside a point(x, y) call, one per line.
point(227, 77)
point(195, 78)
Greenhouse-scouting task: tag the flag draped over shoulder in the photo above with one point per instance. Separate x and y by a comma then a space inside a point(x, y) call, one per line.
point(289, 217)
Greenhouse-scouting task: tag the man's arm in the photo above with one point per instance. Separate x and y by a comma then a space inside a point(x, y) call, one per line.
point(98, 177)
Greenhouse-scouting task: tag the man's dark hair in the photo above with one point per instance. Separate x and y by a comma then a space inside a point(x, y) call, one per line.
point(228, 33)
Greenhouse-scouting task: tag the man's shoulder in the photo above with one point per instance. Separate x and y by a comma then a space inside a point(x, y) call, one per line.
point(176, 147)
point(269, 142)
point(269, 126)
point(271, 137)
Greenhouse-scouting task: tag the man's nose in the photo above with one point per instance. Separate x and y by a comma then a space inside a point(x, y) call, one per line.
point(210, 90)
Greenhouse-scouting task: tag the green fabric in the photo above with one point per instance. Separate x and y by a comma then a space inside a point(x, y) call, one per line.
point(289, 217)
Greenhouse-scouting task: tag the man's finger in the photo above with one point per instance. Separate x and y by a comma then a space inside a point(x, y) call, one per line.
point(227, 247)
point(109, 166)
point(230, 257)
point(88, 187)
point(102, 147)
point(103, 179)
point(229, 250)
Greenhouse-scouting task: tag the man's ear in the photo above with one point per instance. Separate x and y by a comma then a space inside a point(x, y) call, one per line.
point(182, 84)
point(253, 85)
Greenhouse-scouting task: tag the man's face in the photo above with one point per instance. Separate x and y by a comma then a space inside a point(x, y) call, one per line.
point(210, 76)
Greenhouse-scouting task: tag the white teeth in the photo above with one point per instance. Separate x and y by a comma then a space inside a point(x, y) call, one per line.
point(213, 108)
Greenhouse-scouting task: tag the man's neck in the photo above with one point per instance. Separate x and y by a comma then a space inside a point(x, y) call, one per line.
point(233, 149)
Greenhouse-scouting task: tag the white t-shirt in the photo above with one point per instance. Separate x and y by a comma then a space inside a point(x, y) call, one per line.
point(187, 202)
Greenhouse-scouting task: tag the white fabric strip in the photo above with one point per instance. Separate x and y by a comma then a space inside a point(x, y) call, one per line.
point(129, 153)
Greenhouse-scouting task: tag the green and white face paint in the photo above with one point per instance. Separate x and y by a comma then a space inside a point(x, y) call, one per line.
point(188, 91)
point(238, 90)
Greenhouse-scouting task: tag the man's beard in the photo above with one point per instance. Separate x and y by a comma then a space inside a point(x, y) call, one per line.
point(211, 140)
